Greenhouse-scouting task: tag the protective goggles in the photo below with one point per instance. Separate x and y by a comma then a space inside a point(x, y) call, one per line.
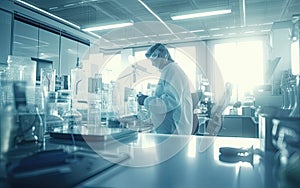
point(154, 55)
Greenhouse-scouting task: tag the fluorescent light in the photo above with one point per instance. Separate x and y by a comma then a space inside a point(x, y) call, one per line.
point(110, 26)
point(94, 34)
point(188, 15)
point(47, 13)
point(155, 15)
point(197, 31)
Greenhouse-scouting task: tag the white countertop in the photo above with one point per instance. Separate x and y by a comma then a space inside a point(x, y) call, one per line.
point(158, 160)
point(183, 161)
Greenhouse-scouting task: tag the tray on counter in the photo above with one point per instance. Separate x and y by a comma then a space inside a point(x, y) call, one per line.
point(93, 133)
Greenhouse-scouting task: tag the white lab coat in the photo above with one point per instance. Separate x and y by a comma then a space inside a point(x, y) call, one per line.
point(171, 107)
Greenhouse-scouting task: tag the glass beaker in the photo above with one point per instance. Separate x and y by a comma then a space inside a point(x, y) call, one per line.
point(94, 113)
point(63, 101)
point(72, 118)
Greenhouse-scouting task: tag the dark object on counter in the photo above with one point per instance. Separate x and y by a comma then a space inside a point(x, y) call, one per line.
point(236, 159)
point(237, 104)
point(39, 160)
point(59, 169)
point(234, 155)
point(66, 81)
point(236, 151)
point(93, 134)
point(113, 123)
point(141, 98)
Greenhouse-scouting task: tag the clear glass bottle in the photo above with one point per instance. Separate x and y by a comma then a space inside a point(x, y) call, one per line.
point(296, 109)
point(94, 100)
point(63, 102)
point(110, 115)
point(94, 113)
point(78, 84)
point(52, 103)
point(72, 118)
point(132, 105)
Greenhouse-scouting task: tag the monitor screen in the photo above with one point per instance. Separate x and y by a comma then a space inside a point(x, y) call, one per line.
point(41, 63)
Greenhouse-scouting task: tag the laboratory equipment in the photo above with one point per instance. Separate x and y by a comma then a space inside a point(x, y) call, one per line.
point(72, 118)
point(110, 118)
point(132, 104)
point(65, 85)
point(94, 100)
point(23, 69)
point(52, 103)
point(48, 79)
point(285, 90)
point(79, 85)
point(295, 63)
point(296, 109)
point(79, 105)
point(63, 101)
point(286, 138)
point(53, 120)
point(286, 132)
point(7, 124)
point(94, 113)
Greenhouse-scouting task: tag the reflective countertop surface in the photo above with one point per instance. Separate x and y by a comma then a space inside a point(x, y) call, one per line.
point(157, 160)
point(185, 161)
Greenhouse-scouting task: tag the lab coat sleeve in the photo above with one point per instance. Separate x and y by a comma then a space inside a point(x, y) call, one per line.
point(166, 98)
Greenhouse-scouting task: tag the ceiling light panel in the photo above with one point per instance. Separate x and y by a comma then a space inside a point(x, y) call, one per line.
point(200, 13)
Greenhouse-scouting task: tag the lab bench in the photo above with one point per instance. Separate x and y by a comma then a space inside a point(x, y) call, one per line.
point(239, 126)
point(153, 160)
point(232, 126)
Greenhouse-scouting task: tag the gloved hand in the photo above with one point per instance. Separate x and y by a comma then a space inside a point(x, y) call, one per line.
point(141, 98)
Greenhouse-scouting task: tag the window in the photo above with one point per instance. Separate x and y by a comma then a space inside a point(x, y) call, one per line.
point(181, 55)
point(241, 63)
point(136, 73)
point(25, 40)
point(49, 47)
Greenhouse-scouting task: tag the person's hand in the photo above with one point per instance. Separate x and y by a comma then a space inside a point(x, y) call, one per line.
point(141, 98)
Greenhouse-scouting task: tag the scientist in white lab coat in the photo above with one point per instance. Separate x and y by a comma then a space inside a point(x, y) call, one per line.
point(171, 106)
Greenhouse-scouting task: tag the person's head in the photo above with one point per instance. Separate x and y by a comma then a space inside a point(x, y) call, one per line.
point(159, 55)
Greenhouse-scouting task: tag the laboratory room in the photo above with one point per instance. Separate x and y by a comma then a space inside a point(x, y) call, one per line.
point(143, 93)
